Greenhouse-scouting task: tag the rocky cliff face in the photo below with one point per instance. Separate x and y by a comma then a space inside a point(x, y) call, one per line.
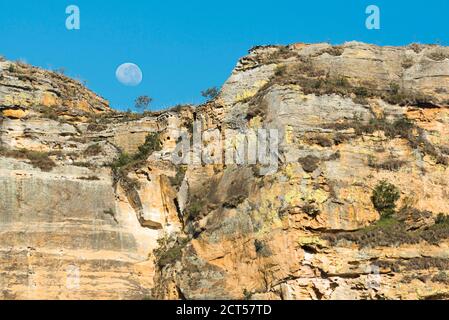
point(23, 86)
point(92, 205)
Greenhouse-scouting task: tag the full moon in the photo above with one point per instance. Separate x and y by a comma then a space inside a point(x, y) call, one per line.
point(129, 74)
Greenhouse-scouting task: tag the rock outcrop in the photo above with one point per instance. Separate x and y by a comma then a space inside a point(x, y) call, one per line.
point(23, 86)
point(93, 206)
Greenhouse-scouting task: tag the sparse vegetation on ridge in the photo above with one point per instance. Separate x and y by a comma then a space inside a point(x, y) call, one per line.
point(37, 159)
point(407, 63)
point(438, 55)
point(90, 178)
point(152, 143)
point(169, 251)
point(335, 51)
point(320, 139)
point(194, 210)
point(416, 264)
point(314, 80)
point(399, 128)
point(177, 180)
point(391, 164)
point(125, 163)
point(392, 230)
point(93, 150)
point(441, 277)
point(96, 127)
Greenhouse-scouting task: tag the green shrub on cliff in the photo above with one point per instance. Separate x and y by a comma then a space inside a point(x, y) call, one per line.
point(152, 143)
point(123, 160)
point(442, 219)
point(169, 251)
point(384, 198)
point(194, 209)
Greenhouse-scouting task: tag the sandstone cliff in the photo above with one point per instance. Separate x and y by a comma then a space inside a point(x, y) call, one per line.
point(93, 207)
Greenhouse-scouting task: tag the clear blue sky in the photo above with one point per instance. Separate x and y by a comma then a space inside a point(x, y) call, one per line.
point(186, 46)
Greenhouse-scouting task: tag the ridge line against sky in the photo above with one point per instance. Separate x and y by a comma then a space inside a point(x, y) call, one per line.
point(185, 47)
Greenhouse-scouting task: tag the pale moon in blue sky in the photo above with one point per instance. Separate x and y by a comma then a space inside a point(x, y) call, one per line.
point(129, 74)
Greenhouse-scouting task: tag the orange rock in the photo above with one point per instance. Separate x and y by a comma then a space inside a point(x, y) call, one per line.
point(14, 113)
point(49, 100)
point(83, 105)
point(299, 45)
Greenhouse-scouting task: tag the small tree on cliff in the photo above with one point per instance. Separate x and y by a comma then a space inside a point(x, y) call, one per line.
point(210, 93)
point(143, 103)
point(384, 198)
